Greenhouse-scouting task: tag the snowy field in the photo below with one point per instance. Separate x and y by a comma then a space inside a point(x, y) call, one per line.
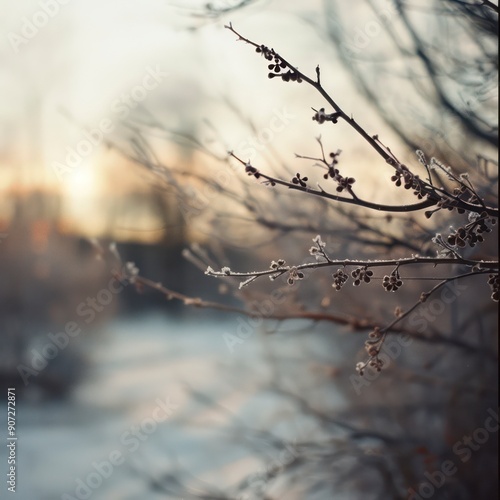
point(164, 397)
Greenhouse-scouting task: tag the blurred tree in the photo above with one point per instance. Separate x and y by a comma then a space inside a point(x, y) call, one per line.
point(430, 68)
point(428, 387)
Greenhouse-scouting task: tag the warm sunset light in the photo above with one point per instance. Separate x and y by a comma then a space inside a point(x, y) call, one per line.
point(81, 104)
point(249, 249)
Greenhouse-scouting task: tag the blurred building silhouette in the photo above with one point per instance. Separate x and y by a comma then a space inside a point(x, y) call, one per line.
point(49, 267)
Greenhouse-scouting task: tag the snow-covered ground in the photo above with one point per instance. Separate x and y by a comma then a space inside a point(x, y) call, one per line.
point(169, 397)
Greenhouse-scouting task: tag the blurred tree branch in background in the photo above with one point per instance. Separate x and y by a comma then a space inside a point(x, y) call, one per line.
point(430, 70)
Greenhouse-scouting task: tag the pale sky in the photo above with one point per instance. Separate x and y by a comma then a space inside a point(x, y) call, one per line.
point(102, 62)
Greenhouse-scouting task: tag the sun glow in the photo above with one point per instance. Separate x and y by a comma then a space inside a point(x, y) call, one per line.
point(80, 182)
